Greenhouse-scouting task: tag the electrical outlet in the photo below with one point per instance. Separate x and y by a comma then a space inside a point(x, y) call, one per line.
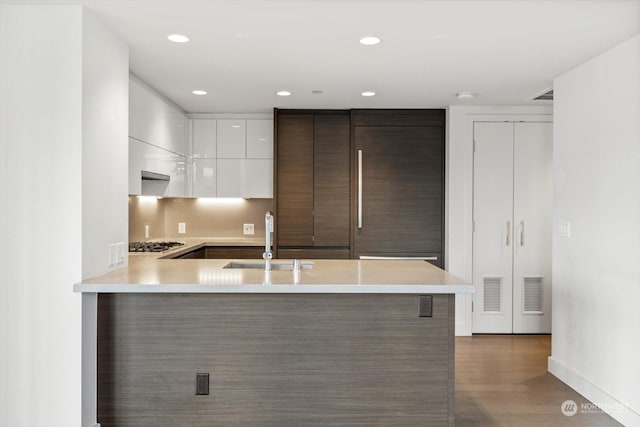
point(249, 229)
point(202, 384)
point(182, 227)
point(564, 229)
point(146, 231)
point(426, 306)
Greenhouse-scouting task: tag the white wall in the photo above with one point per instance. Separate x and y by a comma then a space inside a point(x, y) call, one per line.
point(459, 190)
point(596, 271)
point(105, 152)
point(41, 214)
point(63, 127)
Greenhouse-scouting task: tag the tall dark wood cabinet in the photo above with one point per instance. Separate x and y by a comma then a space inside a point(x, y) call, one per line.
point(360, 183)
point(399, 175)
point(312, 185)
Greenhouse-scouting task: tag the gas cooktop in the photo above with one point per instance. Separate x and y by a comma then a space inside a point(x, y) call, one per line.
point(152, 246)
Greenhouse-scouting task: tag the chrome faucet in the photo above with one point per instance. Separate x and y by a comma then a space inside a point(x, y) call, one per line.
point(267, 255)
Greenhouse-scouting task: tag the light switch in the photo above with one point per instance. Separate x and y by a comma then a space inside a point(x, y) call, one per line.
point(182, 227)
point(564, 229)
point(120, 253)
point(112, 255)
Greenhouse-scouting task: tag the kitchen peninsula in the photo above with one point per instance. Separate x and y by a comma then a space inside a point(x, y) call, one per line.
point(190, 342)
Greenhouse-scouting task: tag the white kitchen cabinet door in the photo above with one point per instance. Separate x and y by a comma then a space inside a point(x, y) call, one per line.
point(204, 178)
point(147, 157)
point(493, 224)
point(155, 121)
point(204, 138)
point(136, 165)
point(512, 194)
point(257, 178)
point(164, 162)
point(533, 196)
point(231, 139)
point(229, 180)
point(259, 139)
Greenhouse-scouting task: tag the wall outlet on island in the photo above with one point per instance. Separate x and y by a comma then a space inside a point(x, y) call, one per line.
point(248, 229)
point(182, 227)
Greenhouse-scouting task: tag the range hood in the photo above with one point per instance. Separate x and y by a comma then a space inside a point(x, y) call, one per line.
point(154, 176)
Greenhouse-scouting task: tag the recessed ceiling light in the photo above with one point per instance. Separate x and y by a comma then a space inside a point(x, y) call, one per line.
point(368, 93)
point(178, 38)
point(283, 93)
point(464, 96)
point(370, 40)
point(199, 92)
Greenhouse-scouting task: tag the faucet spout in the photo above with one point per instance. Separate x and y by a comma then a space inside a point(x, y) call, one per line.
point(267, 255)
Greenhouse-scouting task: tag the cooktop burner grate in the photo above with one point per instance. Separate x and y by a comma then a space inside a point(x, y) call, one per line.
point(152, 246)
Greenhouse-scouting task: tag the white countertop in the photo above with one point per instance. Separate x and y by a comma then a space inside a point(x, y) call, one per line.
point(150, 274)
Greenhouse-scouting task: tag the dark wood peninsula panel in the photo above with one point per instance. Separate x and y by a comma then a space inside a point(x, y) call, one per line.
point(275, 360)
point(401, 210)
point(312, 183)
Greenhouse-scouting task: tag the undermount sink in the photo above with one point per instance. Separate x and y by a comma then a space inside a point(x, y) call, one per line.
point(284, 265)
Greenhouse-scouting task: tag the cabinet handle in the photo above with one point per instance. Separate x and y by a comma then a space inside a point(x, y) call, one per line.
point(400, 258)
point(521, 233)
point(508, 233)
point(359, 189)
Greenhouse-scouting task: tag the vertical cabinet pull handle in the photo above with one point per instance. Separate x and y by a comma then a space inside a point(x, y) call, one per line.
point(521, 233)
point(359, 189)
point(508, 233)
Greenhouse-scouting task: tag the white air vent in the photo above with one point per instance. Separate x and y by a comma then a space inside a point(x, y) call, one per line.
point(545, 95)
point(532, 295)
point(492, 295)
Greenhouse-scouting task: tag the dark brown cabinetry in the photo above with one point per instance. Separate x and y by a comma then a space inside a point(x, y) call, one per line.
point(312, 184)
point(400, 155)
point(360, 183)
point(222, 252)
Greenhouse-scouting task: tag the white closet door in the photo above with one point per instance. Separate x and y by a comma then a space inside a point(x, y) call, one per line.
point(533, 163)
point(493, 235)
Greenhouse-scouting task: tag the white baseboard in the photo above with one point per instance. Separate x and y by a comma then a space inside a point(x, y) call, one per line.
point(607, 403)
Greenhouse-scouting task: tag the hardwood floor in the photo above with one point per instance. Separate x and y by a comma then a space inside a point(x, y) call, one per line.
point(502, 380)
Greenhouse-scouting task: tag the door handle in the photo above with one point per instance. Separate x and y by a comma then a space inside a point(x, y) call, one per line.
point(508, 233)
point(359, 189)
point(521, 233)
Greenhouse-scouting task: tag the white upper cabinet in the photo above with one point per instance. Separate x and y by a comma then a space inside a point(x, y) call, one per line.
point(157, 143)
point(232, 158)
point(204, 178)
point(145, 157)
point(155, 121)
point(259, 139)
point(229, 177)
point(257, 179)
point(231, 139)
point(204, 138)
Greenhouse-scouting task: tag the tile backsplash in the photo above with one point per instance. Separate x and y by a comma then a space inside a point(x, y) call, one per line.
point(202, 217)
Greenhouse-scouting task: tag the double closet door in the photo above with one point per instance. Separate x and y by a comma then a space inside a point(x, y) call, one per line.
point(512, 200)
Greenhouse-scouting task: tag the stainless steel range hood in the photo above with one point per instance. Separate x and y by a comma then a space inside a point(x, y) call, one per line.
point(154, 176)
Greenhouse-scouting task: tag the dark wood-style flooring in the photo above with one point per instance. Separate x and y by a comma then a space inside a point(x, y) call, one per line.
point(502, 380)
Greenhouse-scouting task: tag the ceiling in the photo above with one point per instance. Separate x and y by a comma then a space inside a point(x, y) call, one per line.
point(241, 52)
